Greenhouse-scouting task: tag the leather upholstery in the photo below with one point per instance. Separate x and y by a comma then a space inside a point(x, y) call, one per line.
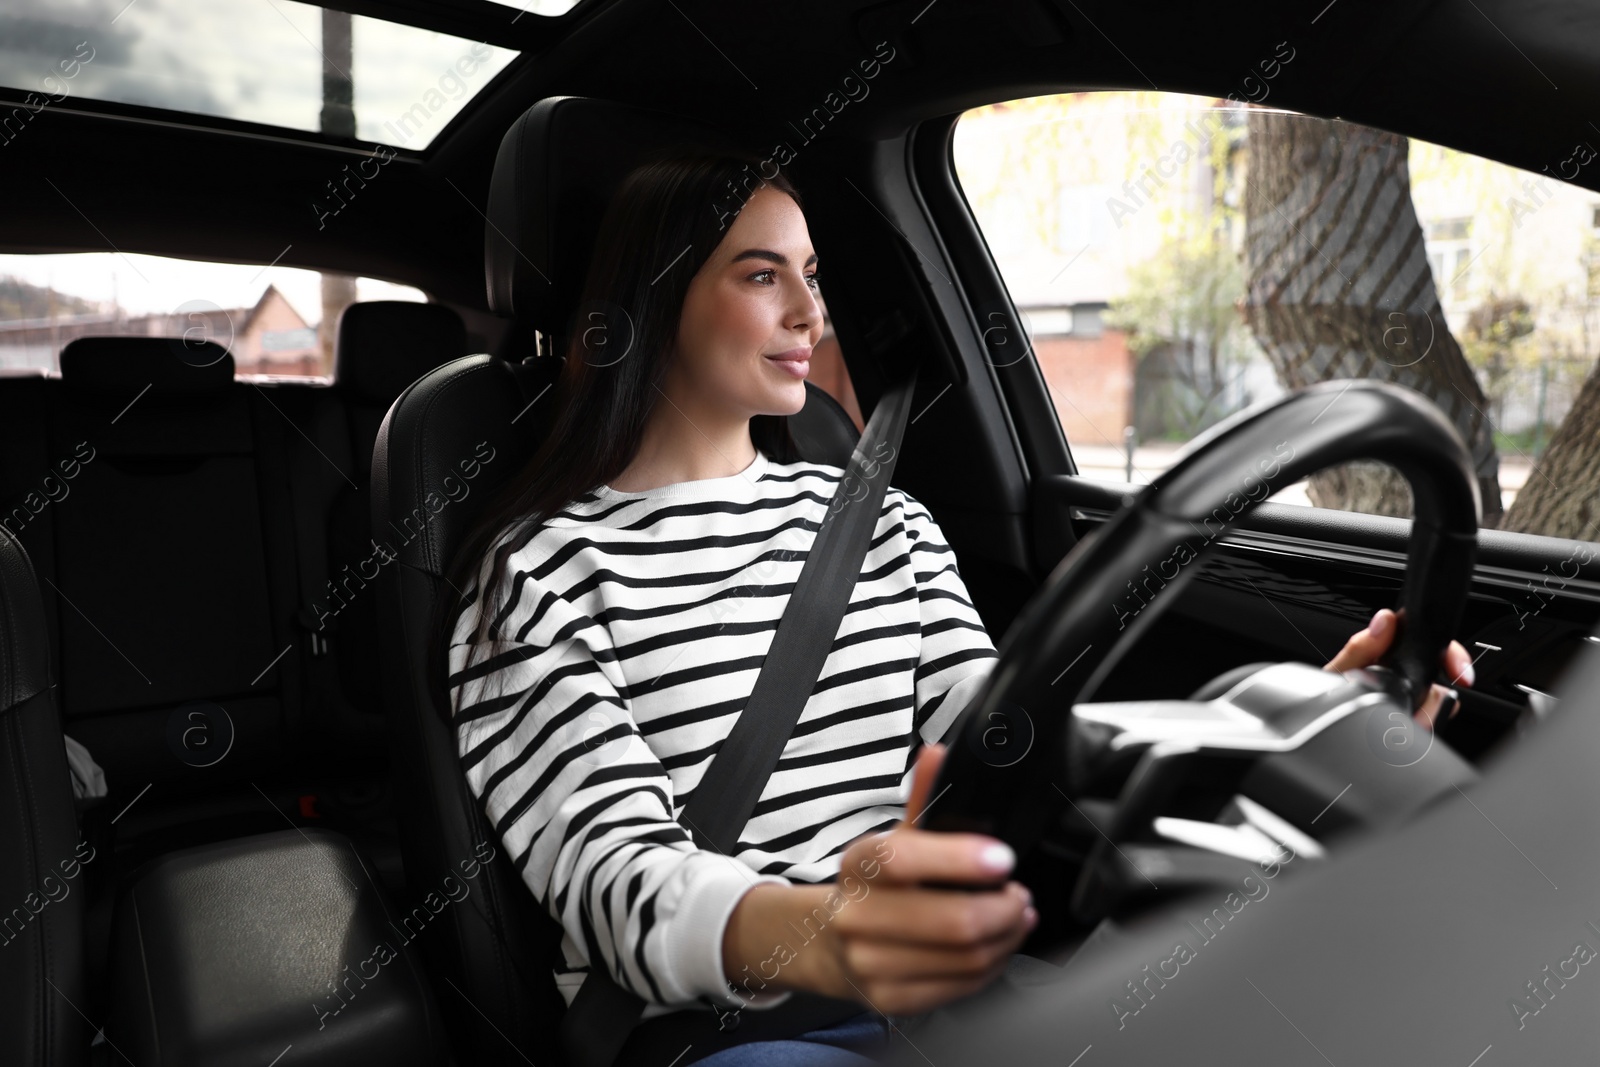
point(42, 880)
point(169, 528)
point(493, 947)
point(823, 431)
point(478, 420)
point(166, 364)
point(385, 345)
point(553, 177)
point(229, 953)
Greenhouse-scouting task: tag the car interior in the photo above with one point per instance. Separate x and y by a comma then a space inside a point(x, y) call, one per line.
point(229, 609)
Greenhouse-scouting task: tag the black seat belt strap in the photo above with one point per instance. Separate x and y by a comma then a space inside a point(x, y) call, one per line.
point(283, 423)
point(603, 1013)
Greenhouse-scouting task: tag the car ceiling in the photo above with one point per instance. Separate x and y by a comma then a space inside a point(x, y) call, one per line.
point(1506, 79)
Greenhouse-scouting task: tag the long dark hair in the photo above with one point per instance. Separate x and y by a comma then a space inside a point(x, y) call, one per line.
point(619, 344)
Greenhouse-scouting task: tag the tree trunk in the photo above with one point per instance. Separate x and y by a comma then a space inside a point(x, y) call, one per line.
point(1559, 499)
point(1339, 287)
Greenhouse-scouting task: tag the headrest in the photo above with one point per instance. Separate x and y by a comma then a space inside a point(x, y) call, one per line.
point(385, 345)
point(166, 364)
point(553, 178)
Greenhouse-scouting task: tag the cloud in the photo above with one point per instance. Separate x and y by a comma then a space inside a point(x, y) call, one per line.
point(256, 62)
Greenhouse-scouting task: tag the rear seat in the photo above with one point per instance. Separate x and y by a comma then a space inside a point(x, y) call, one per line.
point(383, 346)
point(185, 527)
point(159, 566)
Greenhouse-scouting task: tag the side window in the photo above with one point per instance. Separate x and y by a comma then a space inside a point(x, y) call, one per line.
point(270, 318)
point(1176, 259)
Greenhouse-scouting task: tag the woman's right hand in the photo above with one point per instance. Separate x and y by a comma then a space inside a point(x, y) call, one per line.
point(903, 948)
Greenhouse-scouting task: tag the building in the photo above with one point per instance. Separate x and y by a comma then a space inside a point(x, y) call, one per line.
point(268, 338)
point(1078, 194)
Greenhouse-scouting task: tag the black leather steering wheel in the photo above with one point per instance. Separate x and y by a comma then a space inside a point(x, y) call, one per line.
point(1017, 739)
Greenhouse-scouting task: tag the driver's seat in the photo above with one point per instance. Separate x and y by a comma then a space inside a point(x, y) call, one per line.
point(472, 424)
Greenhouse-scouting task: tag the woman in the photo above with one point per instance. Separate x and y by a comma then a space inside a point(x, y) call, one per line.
point(636, 571)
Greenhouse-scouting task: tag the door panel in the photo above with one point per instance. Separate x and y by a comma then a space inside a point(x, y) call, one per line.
point(1292, 583)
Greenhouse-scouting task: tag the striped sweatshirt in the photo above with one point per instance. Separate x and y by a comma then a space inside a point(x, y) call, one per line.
point(634, 629)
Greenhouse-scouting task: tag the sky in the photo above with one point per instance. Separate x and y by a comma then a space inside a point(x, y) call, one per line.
point(255, 60)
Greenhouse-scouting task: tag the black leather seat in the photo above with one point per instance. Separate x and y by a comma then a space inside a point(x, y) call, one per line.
point(554, 174)
point(382, 347)
point(236, 951)
point(42, 880)
point(168, 441)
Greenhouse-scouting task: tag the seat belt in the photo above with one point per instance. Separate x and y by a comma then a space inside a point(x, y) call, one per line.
point(277, 422)
point(602, 1014)
point(328, 710)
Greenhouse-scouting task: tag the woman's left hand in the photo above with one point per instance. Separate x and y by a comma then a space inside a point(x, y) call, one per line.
point(1366, 646)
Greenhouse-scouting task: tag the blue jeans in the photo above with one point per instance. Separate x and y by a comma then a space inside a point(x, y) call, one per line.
point(849, 1043)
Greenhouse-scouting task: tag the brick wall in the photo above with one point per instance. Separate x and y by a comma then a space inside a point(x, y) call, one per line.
point(1091, 382)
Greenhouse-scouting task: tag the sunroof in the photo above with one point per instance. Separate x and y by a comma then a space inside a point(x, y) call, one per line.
point(547, 8)
point(276, 62)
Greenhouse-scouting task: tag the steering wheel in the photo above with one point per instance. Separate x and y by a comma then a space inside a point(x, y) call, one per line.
point(1290, 732)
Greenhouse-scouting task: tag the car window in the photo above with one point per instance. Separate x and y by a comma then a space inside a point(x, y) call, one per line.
point(271, 318)
point(1177, 258)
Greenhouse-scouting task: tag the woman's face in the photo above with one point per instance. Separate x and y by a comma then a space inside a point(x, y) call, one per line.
point(752, 302)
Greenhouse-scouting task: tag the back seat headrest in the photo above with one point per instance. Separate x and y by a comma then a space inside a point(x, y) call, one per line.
point(557, 167)
point(169, 365)
point(385, 345)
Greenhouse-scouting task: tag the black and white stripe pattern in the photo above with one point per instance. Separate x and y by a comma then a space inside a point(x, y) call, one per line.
point(640, 622)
